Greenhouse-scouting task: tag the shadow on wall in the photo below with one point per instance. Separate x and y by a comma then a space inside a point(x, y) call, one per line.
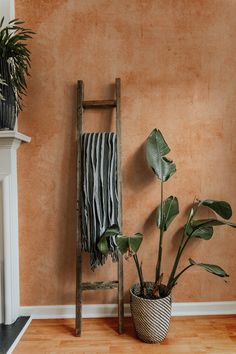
point(137, 175)
point(101, 120)
point(149, 223)
point(66, 251)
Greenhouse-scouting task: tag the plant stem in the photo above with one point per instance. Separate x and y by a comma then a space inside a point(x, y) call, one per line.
point(140, 273)
point(182, 245)
point(159, 258)
point(177, 259)
point(182, 271)
point(173, 282)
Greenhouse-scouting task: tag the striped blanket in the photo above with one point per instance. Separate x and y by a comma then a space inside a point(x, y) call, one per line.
point(99, 192)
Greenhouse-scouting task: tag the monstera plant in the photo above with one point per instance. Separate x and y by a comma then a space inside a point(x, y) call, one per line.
point(151, 301)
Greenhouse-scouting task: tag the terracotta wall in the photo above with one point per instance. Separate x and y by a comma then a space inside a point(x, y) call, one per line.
point(176, 60)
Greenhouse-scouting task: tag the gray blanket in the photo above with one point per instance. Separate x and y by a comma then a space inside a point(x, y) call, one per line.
point(99, 192)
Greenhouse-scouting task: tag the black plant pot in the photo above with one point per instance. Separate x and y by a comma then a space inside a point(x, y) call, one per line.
point(8, 106)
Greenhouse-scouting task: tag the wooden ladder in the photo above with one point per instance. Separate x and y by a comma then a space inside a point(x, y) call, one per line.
point(82, 105)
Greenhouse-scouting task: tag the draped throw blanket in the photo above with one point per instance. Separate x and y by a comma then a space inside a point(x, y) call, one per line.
point(99, 192)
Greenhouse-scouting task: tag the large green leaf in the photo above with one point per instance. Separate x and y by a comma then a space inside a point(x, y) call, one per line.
point(156, 149)
point(170, 211)
point(211, 268)
point(210, 222)
point(221, 207)
point(203, 232)
point(135, 242)
point(204, 228)
point(103, 245)
point(187, 227)
point(124, 243)
point(129, 243)
point(112, 231)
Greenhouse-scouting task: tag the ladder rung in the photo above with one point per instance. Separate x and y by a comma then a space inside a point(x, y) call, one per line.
point(100, 285)
point(99, 104)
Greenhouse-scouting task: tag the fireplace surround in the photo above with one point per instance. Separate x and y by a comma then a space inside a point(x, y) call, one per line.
point(9, 249)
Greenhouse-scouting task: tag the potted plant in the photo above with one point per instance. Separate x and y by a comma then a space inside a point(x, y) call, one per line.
point(14, 68)
point(151, 301)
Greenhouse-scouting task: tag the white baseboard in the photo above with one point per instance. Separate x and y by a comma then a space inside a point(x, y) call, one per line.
point(204, 308)
point(110, 310)
point(68, 311)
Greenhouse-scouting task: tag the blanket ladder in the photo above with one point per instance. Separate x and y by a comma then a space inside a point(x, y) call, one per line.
point(83, 105)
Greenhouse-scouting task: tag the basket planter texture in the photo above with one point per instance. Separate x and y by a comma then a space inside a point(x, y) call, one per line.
point(7, 106)
point(151, 317)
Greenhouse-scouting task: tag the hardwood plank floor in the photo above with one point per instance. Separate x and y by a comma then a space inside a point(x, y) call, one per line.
point(187, 335)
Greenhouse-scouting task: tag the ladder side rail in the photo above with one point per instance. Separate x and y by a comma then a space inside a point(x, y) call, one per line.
point(80, 98)
point(119, 179)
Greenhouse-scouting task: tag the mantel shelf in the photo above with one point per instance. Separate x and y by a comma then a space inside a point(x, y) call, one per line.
point(6, 134)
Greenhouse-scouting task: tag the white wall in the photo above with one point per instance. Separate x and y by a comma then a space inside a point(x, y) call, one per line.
point(7, 9)
point(1, 259)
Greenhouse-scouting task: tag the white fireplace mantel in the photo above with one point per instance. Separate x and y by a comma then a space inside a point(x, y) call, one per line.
point(9, 250)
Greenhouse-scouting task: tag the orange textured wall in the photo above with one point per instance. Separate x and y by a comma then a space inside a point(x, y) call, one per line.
point(176, 60)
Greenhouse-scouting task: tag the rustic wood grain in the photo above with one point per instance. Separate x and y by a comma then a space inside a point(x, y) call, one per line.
point(99, 104)
point(81, 105)
point(100, 285)
point(187, 335)
point(119, 168)
point(80, 97)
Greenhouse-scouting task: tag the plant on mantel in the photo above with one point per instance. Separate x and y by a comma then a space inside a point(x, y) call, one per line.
point(14, 69)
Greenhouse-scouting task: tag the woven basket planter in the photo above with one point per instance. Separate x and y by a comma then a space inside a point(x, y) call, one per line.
point(8, 106)
point(151, 317)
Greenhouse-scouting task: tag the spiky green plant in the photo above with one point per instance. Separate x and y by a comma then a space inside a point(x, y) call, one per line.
point(13, 49)
point(164, 168)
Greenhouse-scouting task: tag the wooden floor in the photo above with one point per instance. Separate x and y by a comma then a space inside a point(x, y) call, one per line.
point(187, 335)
